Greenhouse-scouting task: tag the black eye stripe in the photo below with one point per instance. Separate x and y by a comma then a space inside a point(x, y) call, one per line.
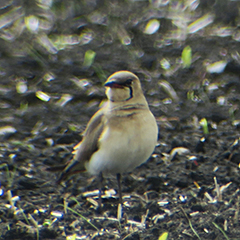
point(131, 93)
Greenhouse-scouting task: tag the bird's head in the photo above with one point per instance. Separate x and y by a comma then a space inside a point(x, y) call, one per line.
point(122, 86)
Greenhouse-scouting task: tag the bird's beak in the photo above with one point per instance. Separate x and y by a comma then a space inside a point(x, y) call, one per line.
point(113, 84)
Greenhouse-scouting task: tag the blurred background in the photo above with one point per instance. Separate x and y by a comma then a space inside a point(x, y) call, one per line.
point(59, 53)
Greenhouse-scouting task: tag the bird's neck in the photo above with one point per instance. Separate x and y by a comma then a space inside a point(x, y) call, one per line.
point(135, 103)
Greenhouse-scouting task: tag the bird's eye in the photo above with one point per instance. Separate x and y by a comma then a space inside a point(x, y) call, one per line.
point(128, 81)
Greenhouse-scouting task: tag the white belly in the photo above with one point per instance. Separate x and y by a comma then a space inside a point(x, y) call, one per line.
point(126, 146)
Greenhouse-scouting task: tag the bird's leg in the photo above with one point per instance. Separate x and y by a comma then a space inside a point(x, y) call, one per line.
point(100, 192)
point(119, 211)
point(119, 187)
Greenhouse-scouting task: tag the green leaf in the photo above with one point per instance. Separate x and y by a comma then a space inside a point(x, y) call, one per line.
point(164, 236)
point(203, 122)
point(187, 57)
point(72, 237)
point(89, 58)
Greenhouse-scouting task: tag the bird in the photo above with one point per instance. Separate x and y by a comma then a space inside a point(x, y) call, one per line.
point(120, 136)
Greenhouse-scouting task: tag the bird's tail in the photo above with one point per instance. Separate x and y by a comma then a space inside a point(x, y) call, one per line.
point(72, 167)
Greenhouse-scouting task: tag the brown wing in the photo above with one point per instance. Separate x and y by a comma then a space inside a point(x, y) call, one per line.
point(87, 147)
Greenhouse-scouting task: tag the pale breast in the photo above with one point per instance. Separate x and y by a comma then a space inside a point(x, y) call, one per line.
point(125, 143)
